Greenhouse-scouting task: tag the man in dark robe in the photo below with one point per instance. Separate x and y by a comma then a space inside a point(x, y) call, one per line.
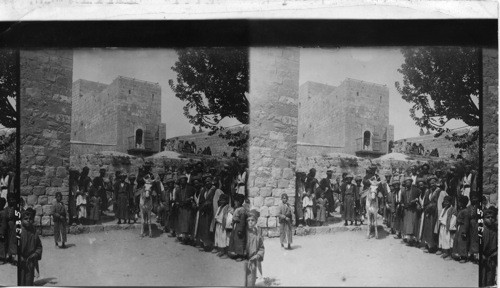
point(398, 214)
point(184, 200)
point(452, 184)
point(100, 187)
point(326, 184)
point(206, 214)
point(122, 195)
point(430, 214)
point(410, 198)
point(11, 232)
point(489, 264)
point(349, 191)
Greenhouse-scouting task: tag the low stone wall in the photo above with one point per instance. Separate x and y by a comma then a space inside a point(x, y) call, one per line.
point(217, 144)
point(358, 166)
point(78, 148)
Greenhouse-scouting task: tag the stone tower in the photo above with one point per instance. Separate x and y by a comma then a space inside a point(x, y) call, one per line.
point(352, 118)
point(125, 114)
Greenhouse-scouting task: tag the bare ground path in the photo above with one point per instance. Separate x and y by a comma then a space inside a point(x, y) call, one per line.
point(349, 259)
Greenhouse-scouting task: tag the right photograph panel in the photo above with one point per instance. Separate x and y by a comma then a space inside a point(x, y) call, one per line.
point(376, 153)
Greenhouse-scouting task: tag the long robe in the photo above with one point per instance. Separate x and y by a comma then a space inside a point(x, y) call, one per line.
point(299, 193)
point(185, 215)
point(286, 232)
point(238, 236)
point(322, 204)
point(349, 199)
point(389, 209)
point(59, 216)
point(100, 187)
point(30, 245)
point(410, 224)
point(474, 235)
point(206, 216)
point(254, 246)
point(398, 215)
point(122, 200)
point(430, 217)
point(460, 245)
point(3, 232)
point(488, 269)
point(11, 232)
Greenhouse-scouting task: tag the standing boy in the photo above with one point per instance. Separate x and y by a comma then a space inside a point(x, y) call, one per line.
point(30, 250)
point(285, 220)
point(254, 249)
point(59, 216)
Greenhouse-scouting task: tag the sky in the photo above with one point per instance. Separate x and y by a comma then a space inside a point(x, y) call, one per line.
point(378, 65)
point(154, 65)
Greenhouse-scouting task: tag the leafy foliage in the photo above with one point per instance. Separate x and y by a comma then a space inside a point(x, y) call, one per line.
point(214, 82)
point(8, 87)
point(442, 83)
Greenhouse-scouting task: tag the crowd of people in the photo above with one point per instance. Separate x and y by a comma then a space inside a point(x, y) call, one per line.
point(434, 211)
point(205, 207)
point(184, 146)
point(410, 148)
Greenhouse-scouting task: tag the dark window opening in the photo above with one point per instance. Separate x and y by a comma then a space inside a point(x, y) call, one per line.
point(128, 91)
point(366, 138)
point(138, 137)
point(357, 93)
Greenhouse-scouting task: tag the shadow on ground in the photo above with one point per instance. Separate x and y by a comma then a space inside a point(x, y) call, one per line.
point(45, 281)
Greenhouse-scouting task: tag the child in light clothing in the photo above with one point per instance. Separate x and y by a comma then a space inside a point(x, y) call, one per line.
point(445, 233)
point(222, 236)
point(81, 206)
point(254, 249)
point(285, 220)
point(307, 204)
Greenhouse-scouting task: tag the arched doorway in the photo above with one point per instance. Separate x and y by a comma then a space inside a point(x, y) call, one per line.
point(138, 138)
point(366, 140)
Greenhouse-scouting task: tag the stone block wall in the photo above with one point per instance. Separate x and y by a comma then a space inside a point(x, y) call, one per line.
point(274, 91)
point(94, 113)
point(45, 98)
point(490, 123)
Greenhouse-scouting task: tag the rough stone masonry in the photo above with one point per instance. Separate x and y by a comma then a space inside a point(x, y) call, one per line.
point(274, 91)
point(45, 127)
point(490, 123)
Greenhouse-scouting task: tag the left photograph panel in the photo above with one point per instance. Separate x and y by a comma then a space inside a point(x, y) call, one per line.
point(9, 192)
point(133, 162)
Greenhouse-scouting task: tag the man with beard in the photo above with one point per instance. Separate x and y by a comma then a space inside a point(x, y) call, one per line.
point(410, 198)
point(206, 214)
point(326, 185)
point(184, 200)
point(452, 184)
point(100, 187)
point(430, 215)
point(165, 202)
point(398, 214)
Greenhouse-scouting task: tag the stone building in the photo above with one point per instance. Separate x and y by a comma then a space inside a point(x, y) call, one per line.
point(124, 116)
point(352, 118)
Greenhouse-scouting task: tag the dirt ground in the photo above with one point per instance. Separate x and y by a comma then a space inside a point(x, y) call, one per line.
point(349, 259)
point(8, 275)
point(122, 258)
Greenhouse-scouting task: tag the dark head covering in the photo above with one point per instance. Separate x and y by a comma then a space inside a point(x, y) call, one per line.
point(253, 214)
point(29, 212)
point(447, 198)
point(240, 198)
point(3, 201)
point(492, 210)
point(463, 200)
